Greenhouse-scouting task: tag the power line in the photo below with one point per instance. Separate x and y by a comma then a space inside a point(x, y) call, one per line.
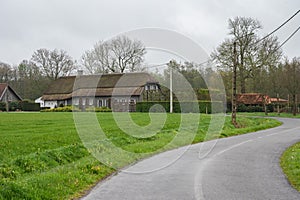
point(275, 30)
point(158, 65)
point(207, 61)
point(284, 23)
point(283, 43)
point(269, 34)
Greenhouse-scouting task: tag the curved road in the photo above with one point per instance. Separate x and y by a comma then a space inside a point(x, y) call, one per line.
point(240, 167)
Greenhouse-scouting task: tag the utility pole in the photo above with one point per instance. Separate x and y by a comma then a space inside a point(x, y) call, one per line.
point(278, 109)
point(295, 106)
point(171, 89)
point(233, 114)
point(288, 101)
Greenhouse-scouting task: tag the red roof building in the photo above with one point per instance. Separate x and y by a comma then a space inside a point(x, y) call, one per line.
point(278, 100)
point(253, 99)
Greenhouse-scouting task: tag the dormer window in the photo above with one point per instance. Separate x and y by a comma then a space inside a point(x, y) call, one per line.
point(151, 86)
point(147, 87)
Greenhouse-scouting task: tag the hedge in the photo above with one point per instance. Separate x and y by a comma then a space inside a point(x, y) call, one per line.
point(181, 107)
point(28, 106)
point(20, 105)
point(244, 108)
point(252, 108)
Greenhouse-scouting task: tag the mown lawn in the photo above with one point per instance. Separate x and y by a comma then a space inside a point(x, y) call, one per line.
point(42, 156)
point(290, 163)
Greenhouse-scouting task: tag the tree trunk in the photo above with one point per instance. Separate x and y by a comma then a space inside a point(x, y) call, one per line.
point(242, 72)
point(294, 105)
point(242, 83)
point(265, 104)
point(243, 86)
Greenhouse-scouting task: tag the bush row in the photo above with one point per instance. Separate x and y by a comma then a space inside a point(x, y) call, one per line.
point(98, 109)
point(258, 108)
point(20, 105)
point(181, 107)
point(76, 109)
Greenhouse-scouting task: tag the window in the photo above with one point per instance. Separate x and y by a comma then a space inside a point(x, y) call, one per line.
point(132, 101)
point(76, 101)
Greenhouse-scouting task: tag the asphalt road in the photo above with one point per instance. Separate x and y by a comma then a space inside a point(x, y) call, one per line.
point(240, 167)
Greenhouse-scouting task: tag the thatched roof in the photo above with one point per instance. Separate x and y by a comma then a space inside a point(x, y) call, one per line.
point(55, 97)
point(129, 84)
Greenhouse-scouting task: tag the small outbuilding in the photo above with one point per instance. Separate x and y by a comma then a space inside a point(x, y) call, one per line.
point(253, 99)
point(7, 94)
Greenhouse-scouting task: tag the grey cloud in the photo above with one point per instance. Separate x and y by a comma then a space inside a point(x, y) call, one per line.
point(75, 25)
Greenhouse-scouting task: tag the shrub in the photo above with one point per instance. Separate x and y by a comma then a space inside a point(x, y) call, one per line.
point(15, 105)
point(2, 106)
point(20, 105)
point(249, 108)
point(76, 109)
point(98, 109)
point(61, 109)
point(29, 106)
point(181, 107)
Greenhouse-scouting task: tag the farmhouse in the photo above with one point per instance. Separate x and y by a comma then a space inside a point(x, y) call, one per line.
point(7, 94)
point(117, 91)
point(253, 99)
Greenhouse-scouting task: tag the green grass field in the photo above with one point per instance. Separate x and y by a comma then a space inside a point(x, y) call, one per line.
point(42, 156)
point(290, 163)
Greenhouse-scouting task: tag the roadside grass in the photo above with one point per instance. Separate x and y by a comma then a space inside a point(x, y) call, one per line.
point(248, 125)
point(290, 164)
point(42, 156)
point(271, 114)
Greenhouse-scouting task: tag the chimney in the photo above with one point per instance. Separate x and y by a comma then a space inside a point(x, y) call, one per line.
point(80, 72)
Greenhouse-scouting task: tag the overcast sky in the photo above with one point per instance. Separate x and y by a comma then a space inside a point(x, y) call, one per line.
point(75, 25)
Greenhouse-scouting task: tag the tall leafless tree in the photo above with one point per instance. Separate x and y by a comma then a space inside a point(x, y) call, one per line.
point(291, 80)
point(6, 72)
point(253, 54)
point(53, 64)
point(117, 55)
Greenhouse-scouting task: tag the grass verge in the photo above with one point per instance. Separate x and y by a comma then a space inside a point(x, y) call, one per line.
point(42, 156)
point(272, 114)
point(290, 164)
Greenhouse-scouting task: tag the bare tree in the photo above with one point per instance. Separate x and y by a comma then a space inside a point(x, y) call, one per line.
point(30, 82)
point(6, 72)
point(291, 79)
point(28, 70)
point(116, 55)
point(53, 64)
point(252, 53)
